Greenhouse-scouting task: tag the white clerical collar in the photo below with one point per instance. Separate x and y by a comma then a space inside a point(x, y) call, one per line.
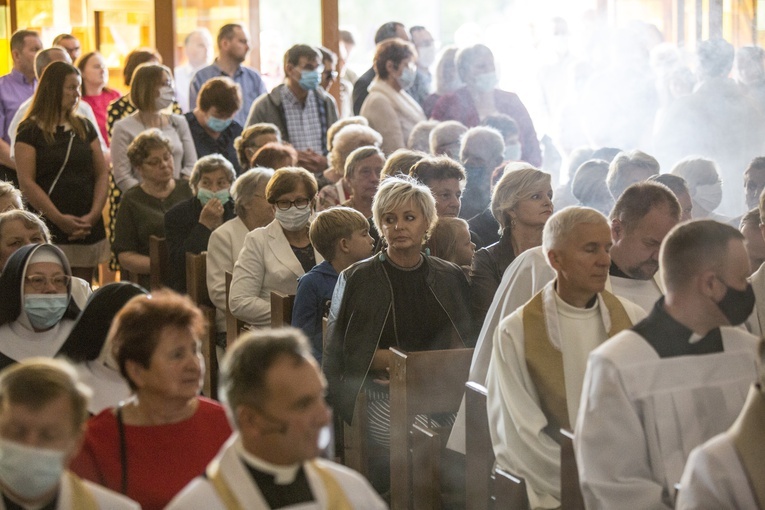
point(283, 475)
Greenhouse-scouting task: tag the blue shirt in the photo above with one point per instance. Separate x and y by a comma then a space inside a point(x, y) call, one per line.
point(314, 293)
point(248, 79)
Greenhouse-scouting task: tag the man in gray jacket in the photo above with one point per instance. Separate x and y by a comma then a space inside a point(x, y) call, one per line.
point(301, 109)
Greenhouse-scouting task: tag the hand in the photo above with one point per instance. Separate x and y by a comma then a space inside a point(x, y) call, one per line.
point(91, 218)
point(73, 225)
point(314, 163)
point(212, 214)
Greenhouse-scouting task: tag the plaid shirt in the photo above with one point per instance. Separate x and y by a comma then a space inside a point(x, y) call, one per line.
point(304, 123)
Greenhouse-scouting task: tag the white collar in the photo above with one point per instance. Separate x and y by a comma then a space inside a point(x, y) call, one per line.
point(283, 475)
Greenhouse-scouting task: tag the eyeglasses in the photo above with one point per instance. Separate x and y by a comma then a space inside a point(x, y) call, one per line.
point(40, 282)
point(300, 203)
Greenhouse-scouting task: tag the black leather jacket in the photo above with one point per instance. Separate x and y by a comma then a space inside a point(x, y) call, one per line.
point(361, 304)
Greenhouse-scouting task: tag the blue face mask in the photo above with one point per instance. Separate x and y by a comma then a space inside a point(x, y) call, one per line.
point(45, 310)
point(407, 78)
point(204, 195)
point(218, 125)
point(309, 80)
point(486, 82)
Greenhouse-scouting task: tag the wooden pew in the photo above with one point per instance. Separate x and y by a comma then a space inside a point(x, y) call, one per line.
point(425, 452)
point(570, 492)
point(234, 326)
point(479, 454)
point(159, 262)
point(421, 383)
point(196, 287)
point(509, 491)
point(281, 309)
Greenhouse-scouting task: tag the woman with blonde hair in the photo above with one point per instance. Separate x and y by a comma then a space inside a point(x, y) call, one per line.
point(62, 171)
point(521, 203)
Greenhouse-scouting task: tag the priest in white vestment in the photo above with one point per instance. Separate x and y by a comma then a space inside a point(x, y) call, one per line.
point(728, 471)
point(274, 392)
point(641, 218)
point(540, 351)
point(653, 393)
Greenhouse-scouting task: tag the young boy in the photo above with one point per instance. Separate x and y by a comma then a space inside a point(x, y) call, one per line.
point(341, 236)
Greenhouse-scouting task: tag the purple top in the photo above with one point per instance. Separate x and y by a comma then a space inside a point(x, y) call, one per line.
point(14, 90)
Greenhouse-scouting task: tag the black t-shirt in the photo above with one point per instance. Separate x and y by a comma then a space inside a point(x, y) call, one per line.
point(73, 192)
point(418, 322)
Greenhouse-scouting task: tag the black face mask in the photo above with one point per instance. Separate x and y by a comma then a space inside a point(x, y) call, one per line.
point(737, 305)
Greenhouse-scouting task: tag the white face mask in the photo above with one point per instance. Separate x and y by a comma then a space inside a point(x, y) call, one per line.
point(293, 219)
point(426, 56)
point(513, 152)
point(166, 97)
point(709, 196)
point(28, 471)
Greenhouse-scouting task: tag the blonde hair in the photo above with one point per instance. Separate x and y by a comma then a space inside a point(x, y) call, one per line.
point(560, 225)
point(399, 190)
point(518, 182)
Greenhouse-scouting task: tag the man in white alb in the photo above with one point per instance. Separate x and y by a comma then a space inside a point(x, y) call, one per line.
point(642, 216)
point(274, 392)
point(540, 351)
point(653, 393)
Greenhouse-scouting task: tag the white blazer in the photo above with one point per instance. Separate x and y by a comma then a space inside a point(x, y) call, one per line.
point(265, 263)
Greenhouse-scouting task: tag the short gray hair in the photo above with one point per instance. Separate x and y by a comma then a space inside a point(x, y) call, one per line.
point(43, 58)
point(419, 137)
point(359, 155)
point(398, 190)
point(29, 219)
point(7, 188)
point(246, 365)
point(347, 140)
point(208, 164)
point(516, 184)
point(560, 225)
point(485, 141)
point(245, 185)
point(697, 171)
point(446, 133)
point(623, 165)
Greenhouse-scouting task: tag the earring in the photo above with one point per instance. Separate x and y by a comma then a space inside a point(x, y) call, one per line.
point(512, 223)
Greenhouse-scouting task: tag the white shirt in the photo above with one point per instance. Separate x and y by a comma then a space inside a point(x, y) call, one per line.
point(223, 249)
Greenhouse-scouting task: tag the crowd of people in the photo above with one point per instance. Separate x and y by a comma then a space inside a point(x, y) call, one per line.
point(624, 305)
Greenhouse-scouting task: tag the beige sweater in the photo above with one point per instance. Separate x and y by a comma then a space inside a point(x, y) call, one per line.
point(392, 114)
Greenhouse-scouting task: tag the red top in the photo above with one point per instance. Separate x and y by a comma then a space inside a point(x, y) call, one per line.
point(100, 105)
point(161, 459)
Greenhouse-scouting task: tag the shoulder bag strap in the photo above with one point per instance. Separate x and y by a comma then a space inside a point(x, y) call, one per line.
point(66, 160)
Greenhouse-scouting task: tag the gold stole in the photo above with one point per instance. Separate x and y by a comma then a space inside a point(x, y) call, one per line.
point(82, 498)
point(336, 498)
point(545, 362)
point(747, 433)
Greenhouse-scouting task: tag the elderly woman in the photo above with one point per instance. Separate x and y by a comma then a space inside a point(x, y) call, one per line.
point(333, 174)
point(703, 178)
point(273, 257)
point(521, 204)
point(142, 211)
point(62, 171)
point(151, 92)
point(86, 346)
point(212, 123)
point(347, 140)
point(36, 309)
point(480, 98)
point(188, 225)
point(589, 186)
point(388, 108)
point(362, 171)
point(399, 298)
point(252, 211)
point(252, 139)
point(150, 446)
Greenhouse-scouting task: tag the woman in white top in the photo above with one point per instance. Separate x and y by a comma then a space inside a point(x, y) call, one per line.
point(151, 91)
point(275, 256)
point(252, 211)
point(388, 108)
